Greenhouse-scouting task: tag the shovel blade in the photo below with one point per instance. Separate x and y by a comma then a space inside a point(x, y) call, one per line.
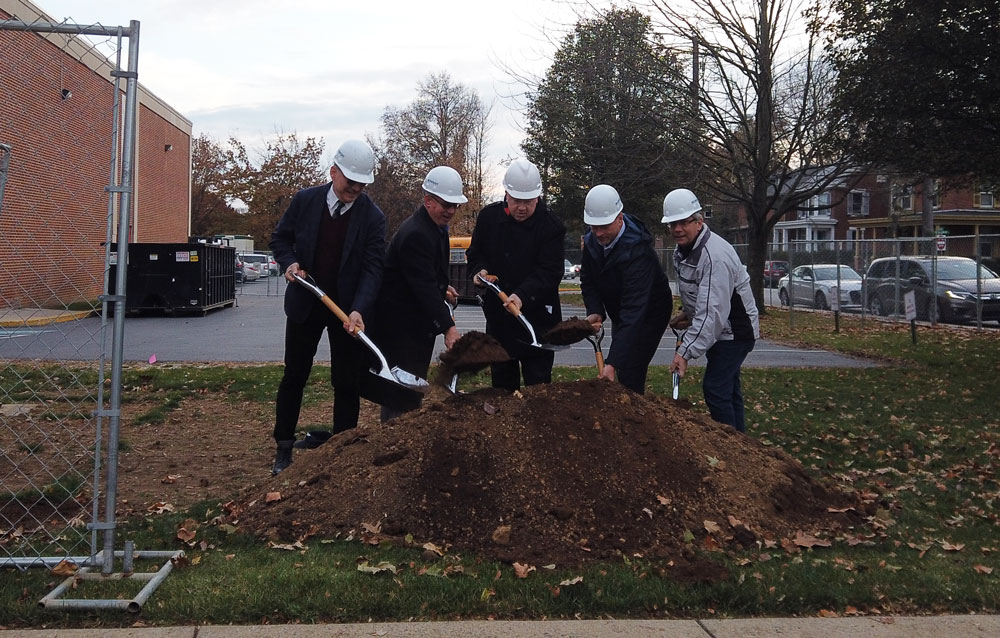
point(677, 385)
point(403, 378)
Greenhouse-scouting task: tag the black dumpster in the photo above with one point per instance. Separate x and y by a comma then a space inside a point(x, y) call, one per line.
point(177, 278)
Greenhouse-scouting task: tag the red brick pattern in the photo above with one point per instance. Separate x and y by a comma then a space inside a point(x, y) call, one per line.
point(55, 209)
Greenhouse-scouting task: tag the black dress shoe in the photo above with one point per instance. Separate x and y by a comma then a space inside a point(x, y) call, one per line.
point(314, 439)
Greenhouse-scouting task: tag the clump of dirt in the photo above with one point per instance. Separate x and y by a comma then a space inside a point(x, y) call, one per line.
point(563, 473)
point(472, 352)
point(568, 332)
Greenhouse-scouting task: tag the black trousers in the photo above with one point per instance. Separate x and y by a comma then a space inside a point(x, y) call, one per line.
point(535, 364)
point(348, 362)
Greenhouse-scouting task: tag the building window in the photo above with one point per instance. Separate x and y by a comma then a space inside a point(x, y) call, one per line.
point(817, 206)
point(983, 199)
point(902, 198)
point(858, 203)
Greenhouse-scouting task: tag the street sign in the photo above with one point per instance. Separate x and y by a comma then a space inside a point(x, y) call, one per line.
point(910, 304)
point(942, 243)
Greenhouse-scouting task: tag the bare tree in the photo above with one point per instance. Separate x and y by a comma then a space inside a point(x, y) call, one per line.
point(761, 124)
point(447, 124)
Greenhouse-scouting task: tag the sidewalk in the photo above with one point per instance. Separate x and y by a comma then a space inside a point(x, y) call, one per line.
point(32, 317)
point(865, 627)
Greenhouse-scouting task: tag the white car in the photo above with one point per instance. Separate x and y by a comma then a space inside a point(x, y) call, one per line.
point(813, 285)
point(264, 264)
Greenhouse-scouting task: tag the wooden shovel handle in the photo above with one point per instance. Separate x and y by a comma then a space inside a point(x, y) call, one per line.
point(600, 361)
point(512, 309)
point(335, 309)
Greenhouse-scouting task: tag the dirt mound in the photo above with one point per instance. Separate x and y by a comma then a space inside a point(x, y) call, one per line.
point(472, 352)
point(569, 331)
point(565, 473)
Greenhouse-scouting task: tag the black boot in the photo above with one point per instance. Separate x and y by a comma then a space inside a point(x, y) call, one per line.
point(283, 457)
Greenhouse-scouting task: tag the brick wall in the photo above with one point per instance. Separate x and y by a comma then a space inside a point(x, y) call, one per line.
point(54, 212)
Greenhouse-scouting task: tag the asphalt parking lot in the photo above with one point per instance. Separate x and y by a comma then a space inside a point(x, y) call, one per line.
point(253, 331)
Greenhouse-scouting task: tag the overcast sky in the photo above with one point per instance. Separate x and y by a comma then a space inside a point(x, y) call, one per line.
point(250, 68)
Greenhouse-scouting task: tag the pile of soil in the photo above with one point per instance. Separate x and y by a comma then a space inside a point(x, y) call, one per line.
point(561, 474)
point(472, 352)
point(568, 332)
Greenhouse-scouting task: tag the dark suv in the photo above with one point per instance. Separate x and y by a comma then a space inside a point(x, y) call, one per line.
point(955, 294)
point(773, 271)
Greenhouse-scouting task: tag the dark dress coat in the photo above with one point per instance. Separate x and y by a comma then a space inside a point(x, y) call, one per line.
point(528, 258)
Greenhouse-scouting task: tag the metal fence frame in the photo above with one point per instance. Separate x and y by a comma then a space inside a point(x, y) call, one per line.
point(103, 525)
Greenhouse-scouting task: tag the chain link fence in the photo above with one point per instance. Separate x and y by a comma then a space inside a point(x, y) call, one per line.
point(954, 279)
point(67, 147)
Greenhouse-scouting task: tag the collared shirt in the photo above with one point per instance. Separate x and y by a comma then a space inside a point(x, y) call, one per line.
point(611, 244)
point(332, 201)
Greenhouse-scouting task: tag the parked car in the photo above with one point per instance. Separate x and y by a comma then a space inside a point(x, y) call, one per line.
point(265, 264)
point(955, 294)
point(773, 271)
point(569, 270)
point(250, 272)
point(814, 286)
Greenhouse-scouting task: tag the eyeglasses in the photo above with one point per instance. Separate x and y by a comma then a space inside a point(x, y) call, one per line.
point(681, 222)
point(443, 204)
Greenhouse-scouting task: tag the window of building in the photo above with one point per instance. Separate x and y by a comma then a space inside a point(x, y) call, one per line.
point(816, 206)
point(858, 203)
point(983, 199)
point(902, 197)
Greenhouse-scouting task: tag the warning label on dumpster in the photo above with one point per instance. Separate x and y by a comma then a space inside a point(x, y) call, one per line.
point(182, 255)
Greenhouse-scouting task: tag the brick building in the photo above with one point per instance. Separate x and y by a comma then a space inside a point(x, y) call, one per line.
point(56, 117)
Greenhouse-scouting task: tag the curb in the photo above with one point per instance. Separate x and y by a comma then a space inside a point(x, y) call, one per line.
point(43, 320)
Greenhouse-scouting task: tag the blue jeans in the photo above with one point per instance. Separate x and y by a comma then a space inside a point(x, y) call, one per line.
point(721, 384)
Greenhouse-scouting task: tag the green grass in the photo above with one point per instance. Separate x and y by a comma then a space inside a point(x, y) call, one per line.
point(918, 434)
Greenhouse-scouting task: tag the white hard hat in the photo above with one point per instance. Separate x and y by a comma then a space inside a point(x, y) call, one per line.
point(446, 183)
point(602, 205)
point(679, 204)
point(522, 180)
point(356, 161)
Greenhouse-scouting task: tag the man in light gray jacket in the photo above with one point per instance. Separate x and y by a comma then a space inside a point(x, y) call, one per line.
point(718, 308)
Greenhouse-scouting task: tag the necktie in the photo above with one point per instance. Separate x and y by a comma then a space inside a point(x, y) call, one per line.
point(337, 209)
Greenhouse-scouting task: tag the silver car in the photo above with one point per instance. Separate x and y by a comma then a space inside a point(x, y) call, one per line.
point(814, 285)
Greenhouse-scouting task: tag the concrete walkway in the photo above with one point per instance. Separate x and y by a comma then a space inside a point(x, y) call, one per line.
point(866, 627)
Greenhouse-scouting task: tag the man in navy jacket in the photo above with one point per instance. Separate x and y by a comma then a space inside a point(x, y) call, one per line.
point(621, 278)
point(335, 234)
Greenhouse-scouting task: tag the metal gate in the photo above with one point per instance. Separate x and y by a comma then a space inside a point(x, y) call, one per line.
point(67, 118)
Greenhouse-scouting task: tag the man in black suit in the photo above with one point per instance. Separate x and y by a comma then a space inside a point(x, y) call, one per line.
point(410, 311)
point(336, 234)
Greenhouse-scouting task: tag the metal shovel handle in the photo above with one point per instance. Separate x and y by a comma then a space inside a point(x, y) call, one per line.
point(510, 307)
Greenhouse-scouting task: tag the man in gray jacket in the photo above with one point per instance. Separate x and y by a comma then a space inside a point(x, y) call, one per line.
point(718, 308)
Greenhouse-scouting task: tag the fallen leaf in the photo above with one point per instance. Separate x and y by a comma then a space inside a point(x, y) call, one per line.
point(170, 479)
point(825, 613)
point(272, 497)
point(383, 566)
point(712, 527)
point(663, 500)
point(372, 528)
point(185, 535)
point(983, 569)
point(522, 571)
point(489, 408)
point(572, 581)
point(948, 547)
point(65, 568)
point(805, 540)
point(431, 547)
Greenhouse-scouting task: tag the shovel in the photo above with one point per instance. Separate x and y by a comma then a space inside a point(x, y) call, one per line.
point(517, 313)
point(595, 340)
point(394, 375)
point(452, 386)
point(677, 376)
